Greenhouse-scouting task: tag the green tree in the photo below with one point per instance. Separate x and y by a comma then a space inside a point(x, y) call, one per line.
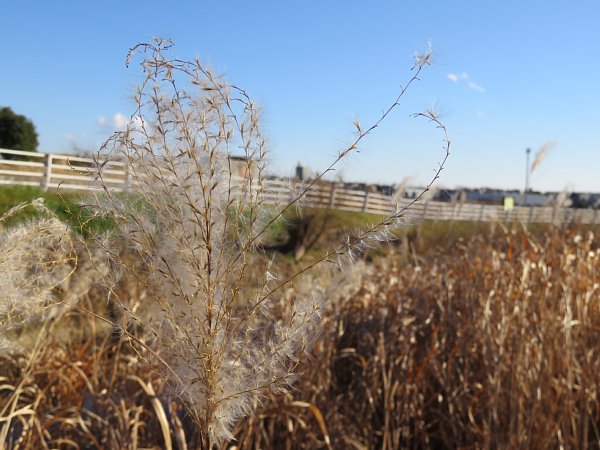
point(17, 132)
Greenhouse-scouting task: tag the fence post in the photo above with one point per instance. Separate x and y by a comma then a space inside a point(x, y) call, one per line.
point(332, 197)
point(127, 178)
point(530, 219)
point(48, 171)
point(366, 201)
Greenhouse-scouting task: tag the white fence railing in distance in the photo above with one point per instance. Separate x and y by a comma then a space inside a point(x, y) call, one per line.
point(66, 172)
point(27, 168)
point(53, 171)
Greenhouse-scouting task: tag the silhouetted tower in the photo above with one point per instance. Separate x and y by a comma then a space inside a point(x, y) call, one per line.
point(299, 171)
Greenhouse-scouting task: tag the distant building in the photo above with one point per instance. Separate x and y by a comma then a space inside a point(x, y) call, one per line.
point(585, 200)
point(498, 197)
point(534, 199)
point(242, 166)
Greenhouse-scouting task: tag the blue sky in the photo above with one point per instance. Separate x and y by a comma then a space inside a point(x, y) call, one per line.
point(506, 76)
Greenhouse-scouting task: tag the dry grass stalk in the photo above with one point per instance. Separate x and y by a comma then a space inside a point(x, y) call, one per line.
point(196, 233)
point(189, 236)
point(541, 154)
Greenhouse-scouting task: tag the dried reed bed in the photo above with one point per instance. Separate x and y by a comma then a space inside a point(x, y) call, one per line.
point(490, 345)
point(88, 395)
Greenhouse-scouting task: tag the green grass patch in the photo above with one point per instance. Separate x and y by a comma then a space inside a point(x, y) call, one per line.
point(66, 206)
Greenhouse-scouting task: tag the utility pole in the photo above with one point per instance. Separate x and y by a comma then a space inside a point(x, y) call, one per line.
point(527, 152)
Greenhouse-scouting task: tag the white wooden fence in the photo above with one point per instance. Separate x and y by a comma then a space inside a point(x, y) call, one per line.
point(356, 200)
point(54, 171)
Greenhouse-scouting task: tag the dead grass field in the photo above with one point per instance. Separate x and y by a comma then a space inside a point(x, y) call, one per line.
point(481, 338)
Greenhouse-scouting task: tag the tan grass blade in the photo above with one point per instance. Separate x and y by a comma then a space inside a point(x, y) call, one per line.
point(158, 409)
point(319, 418)
point(542, 153)
point(178, 429)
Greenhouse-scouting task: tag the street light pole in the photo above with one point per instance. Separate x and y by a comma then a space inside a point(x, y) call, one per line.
point(527, 152)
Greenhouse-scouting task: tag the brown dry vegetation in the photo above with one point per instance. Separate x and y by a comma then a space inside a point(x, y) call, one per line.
point(182, 275)
point(490, 343)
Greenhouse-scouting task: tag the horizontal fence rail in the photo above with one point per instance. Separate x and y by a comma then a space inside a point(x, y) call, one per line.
point(53, 171)
point(66, 172)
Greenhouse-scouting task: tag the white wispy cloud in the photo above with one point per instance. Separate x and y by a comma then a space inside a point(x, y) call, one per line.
point(464, 77)
point(475, 86)
point(118, 122)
